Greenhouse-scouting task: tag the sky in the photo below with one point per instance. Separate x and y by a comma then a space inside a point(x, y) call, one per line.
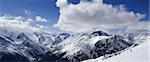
point(51, 13)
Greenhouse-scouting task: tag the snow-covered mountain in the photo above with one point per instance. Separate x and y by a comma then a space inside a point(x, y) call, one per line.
point(17, 45)
point(139, 53)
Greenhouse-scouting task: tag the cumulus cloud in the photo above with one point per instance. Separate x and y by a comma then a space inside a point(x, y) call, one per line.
point(95, 14)
point(18, 23)
point(40, 19)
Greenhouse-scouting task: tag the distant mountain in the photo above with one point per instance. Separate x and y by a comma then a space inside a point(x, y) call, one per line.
point(60, 38)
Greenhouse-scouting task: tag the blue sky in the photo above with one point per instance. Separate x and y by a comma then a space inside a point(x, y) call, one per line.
point(48, 10)
point(139, 6)
point(43, 8)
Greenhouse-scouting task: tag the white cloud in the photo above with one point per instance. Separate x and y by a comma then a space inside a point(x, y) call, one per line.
point(40, 19)
point(87, 15)
point(27, 12)
point(144, 25)
point(61, 3)
point(18, 23)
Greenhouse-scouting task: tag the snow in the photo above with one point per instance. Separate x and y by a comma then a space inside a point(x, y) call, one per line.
point(140, 53)
point(97, 38)
point(79, 43)
point(73, 44)
point(71, 49)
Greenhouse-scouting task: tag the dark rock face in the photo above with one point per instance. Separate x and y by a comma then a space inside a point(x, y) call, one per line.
point(131, 37)
point(4, 42)
point(60, 38)
point(99, 33)
point(109, 46)
point(65, 35)
point(80, 57)
point(12, 57)
point(51, 57)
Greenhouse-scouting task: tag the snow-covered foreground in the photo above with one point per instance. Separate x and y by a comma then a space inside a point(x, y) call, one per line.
point(140, 53)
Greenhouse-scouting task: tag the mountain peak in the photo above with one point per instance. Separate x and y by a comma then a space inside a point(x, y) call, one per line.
point(99, 33)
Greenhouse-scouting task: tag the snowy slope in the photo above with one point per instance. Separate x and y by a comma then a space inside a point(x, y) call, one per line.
point(79, 42)
point(81, 47)
point(140, 53)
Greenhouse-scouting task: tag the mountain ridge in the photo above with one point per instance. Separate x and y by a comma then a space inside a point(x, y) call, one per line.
point(39, 46)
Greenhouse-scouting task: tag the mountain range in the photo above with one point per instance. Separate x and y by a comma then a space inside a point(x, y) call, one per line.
point(21, 46)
